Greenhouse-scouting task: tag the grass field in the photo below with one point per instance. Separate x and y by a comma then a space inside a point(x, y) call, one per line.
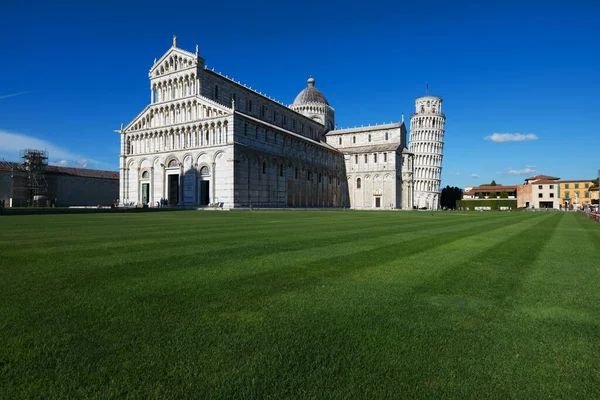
point(300, 305)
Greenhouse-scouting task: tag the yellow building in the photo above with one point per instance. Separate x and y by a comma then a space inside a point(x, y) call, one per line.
point(576, 193)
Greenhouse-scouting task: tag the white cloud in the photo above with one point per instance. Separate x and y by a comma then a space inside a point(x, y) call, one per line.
point(530, 166)
point(60, 163)
point(6, 96)
point(454, 173)
point(511, 137)
point(524, 171)
point(12, 143)
point(475, 176)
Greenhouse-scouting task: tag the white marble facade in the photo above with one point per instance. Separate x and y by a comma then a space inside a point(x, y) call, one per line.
point(206, 140)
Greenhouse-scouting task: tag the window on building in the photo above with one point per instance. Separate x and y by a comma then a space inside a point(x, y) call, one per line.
point(587, 195)
point(384, 157)
point(566, 185)
point(263, 111)
point(340, 140)
point(308, 176)
point(293, 124)
point(374, 158)
point(320, 177)
point(587, 185)
point(386, 136)
point(358, 183)
point(577, 186)
point(353, 139)
point(264, 167)
point(540, 187)
point(369, 138)
point(245, 129)
point(551, 195)
point(296, 173)
point(540, 195)
point(284, 120)
point(356, 159)
point(366, 159)
point(249, 105)
point(551, 186)
point(146, 175)
point(567, 195)
point(217, 92)
point(281, 170)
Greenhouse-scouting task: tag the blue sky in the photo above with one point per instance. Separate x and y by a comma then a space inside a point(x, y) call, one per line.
point(71, 72)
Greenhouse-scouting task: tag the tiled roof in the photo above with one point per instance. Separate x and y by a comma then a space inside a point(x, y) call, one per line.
point(490, 189)
point(370, 149)
point(544, 181)
point(594, 189)
point(576, 180)
point(57, 170)
point(542, 177)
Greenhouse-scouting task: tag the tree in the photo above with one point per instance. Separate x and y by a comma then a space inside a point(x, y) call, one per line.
point(481, 195)
point(493, 183)
point(504, 194)
point(493, 195)
point(449, 196)
point(596, 183)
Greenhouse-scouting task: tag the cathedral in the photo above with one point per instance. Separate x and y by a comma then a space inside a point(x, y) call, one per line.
point(206, 140)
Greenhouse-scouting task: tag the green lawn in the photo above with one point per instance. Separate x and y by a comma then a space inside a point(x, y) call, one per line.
point(317, 304)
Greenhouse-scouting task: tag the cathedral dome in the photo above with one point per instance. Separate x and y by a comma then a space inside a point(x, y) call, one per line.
point(310, 95)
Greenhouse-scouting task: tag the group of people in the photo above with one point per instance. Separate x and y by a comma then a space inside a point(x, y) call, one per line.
point(163, 202)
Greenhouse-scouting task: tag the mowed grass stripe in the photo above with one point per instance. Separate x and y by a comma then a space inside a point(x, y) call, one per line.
point(282, 305)
point(377, 311)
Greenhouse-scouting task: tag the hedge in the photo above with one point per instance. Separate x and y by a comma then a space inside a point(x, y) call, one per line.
point(494, 204)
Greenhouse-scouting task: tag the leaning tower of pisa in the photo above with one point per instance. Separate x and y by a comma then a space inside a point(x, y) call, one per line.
point(427, 144)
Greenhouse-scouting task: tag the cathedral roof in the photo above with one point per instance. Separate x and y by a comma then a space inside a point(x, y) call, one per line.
point(374, 148)
point(310, 95)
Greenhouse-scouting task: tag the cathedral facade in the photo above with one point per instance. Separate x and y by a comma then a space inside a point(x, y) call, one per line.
point(208, 141)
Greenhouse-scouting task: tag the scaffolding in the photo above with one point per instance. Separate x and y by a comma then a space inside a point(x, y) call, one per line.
point(35, 186)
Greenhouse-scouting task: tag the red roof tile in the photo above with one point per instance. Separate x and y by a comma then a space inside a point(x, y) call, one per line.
point(542, 177)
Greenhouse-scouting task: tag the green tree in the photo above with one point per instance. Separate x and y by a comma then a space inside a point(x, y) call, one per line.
point(481, 195)
point(493, 183)
point(596, 183)
point(493, 195)
point(504, 194)
point(449, 196)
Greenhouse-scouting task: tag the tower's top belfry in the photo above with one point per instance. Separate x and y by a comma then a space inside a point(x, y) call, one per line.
point(428, 105)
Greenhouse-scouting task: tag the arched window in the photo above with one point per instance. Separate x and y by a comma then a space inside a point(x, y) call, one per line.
point(204, 170)
point(340, 140)
point(145, 175)
point(375, 158)
point(172, 163)
point(356, 159)
point(358, 183)
point(366, 158)
point(369, 138)
point(353, 139)
point(422, 109)
point(386, 136)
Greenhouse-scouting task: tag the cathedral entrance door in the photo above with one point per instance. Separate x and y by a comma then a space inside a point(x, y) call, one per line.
point(204, 193)
point(377, 202)
point(173, 189)
point(145, 193)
